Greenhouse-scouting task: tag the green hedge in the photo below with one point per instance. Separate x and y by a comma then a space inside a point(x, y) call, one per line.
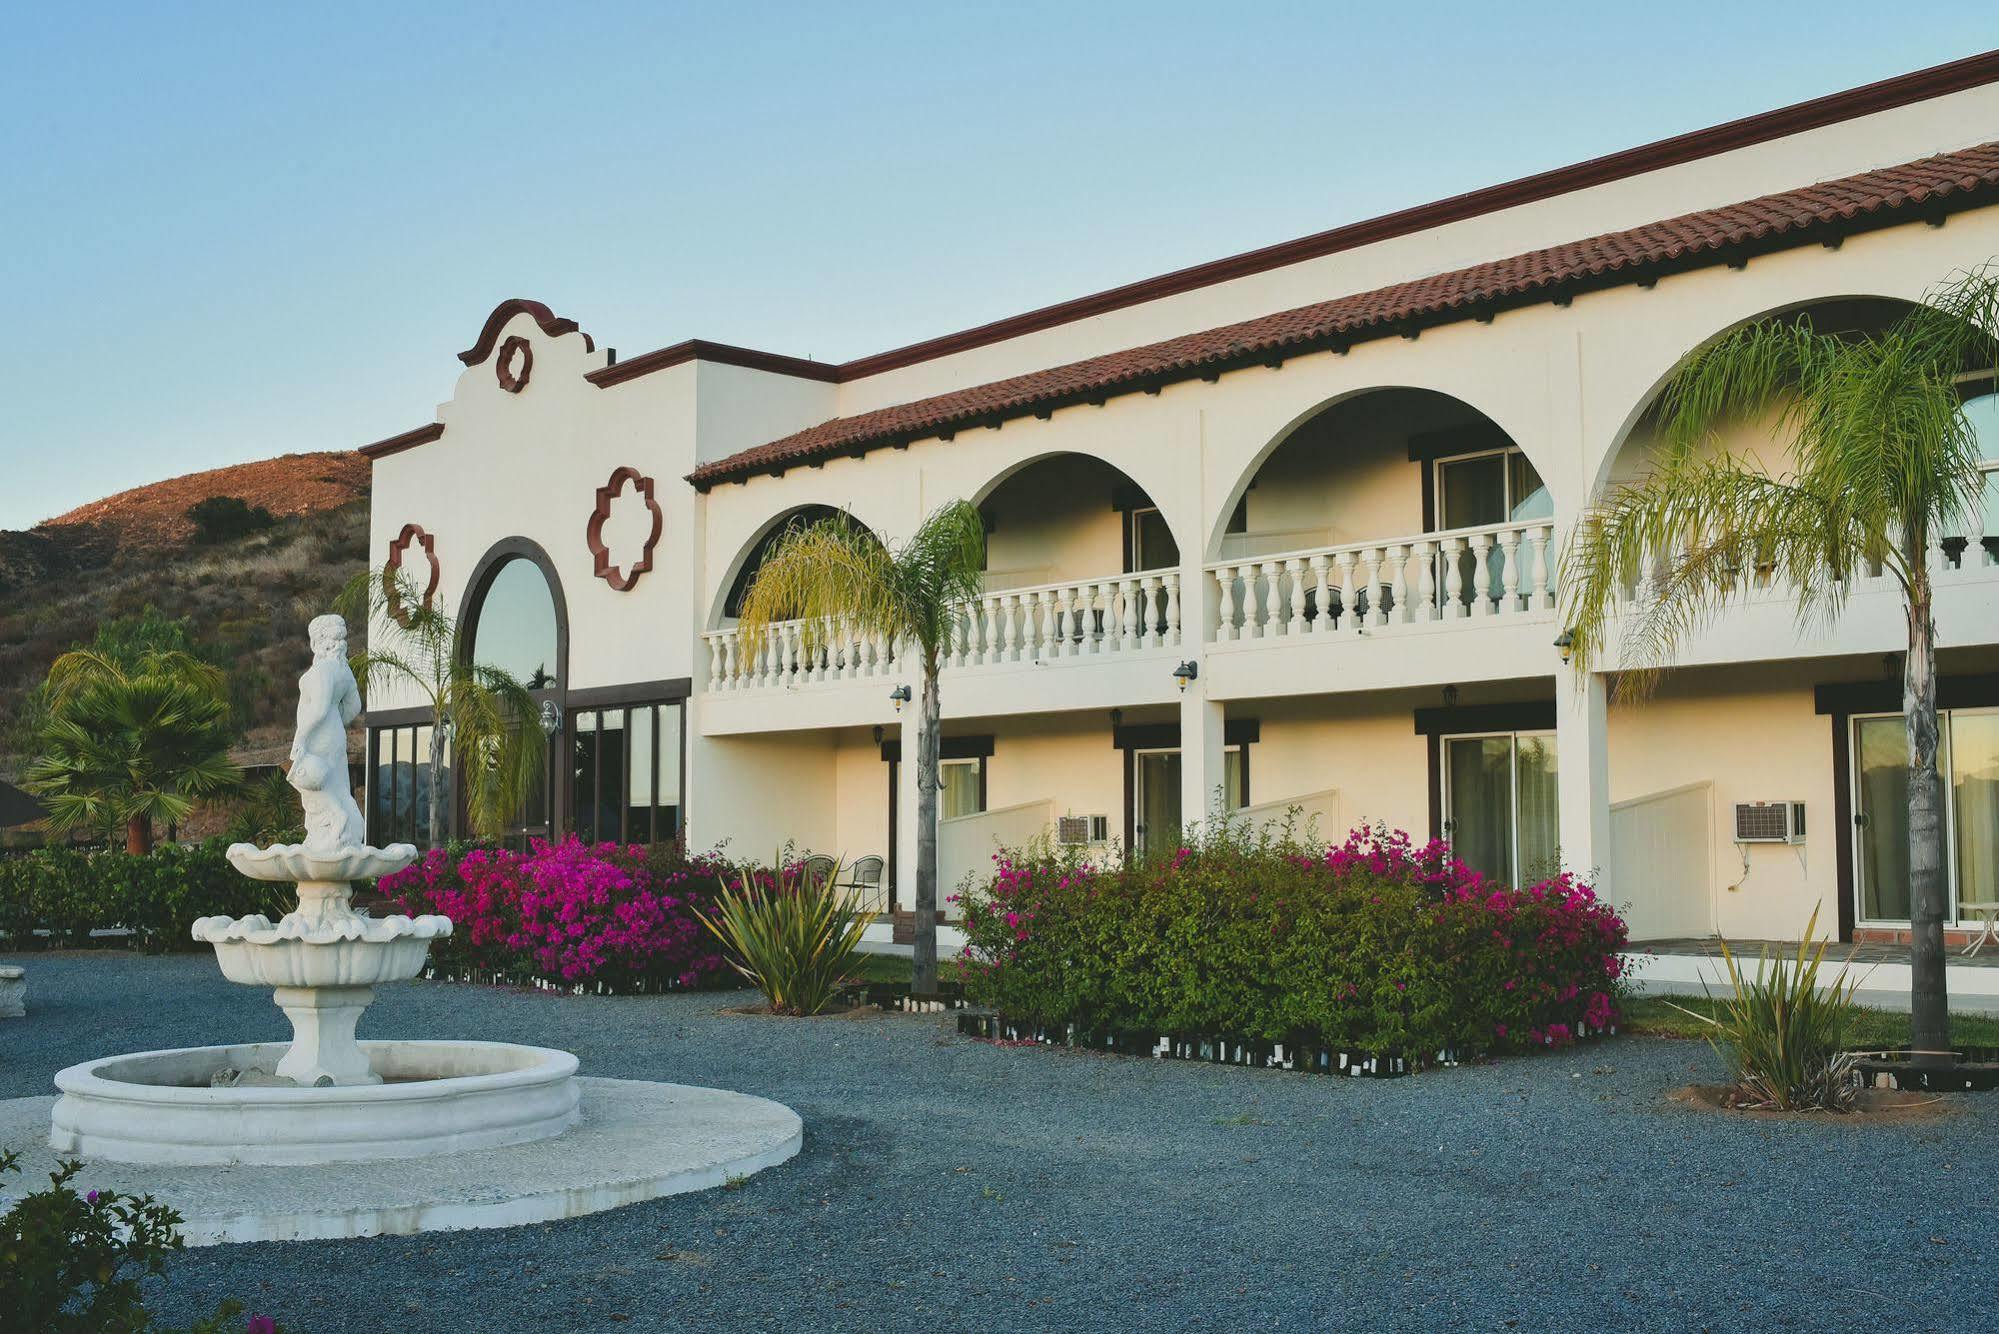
point(157, 897)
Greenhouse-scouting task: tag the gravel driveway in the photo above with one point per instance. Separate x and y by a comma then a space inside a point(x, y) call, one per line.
point(948, 1184)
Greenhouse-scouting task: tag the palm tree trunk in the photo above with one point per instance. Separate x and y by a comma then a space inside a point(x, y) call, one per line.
point(139, 835)
point(437, 785)
point(924, 972)
point(1929, 1006)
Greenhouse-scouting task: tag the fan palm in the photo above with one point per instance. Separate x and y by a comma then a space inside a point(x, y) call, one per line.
point(481, 710)
point(130, 749)
point(1884, 463)
point(836, 572)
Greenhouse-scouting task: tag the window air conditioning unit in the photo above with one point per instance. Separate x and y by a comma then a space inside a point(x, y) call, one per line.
point(1078, 831)
point(1770, 822)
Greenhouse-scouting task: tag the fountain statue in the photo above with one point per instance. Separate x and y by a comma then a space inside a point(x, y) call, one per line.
point(323, 960)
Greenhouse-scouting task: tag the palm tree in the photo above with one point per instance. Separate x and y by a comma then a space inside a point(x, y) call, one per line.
point(129, 748)
point(488, 715)
point(836, 572)
point(1884, 464)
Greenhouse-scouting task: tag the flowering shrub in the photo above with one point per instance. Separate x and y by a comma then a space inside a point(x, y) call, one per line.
point(569, 912)
point(1376, 945)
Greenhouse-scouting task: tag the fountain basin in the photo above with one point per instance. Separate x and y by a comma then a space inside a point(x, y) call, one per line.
point(297, 861)
point(302, 963)
point(436, 1097)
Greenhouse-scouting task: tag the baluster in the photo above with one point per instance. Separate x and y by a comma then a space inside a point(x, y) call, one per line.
point(988, 629)
point(1975, 556)
point(1371, 559)
point(1086, 619)
point(1123, 629)
point(1065, 644)
point(1481, 574)
point(1294, 569)
point(1509, 571)
point(1398, 583)
point(1044, 640)
point(1107, 630)
point(1426, 580)
point(1322, 603)
point(1002, 647)
point(1544, 576)
point(1273, 599)
point(1171, 581)
point(1224, 604)
point(1454, 579)
point(1349, 590)
point(764, 655)
point(1150, 610)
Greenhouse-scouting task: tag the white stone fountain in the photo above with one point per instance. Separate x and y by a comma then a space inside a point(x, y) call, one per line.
point(331, 1135)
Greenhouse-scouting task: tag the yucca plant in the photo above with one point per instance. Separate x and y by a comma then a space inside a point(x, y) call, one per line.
point(794, 937)
point(1782, 1035)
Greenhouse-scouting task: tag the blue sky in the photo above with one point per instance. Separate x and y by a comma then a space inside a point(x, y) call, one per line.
point(232, 231)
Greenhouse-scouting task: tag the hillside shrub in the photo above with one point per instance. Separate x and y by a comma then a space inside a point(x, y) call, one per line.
point(623, 918)
point(1376, 946)
point(55, 897)
point(226, 518)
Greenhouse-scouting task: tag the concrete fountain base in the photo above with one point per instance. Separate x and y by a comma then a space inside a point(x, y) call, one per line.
point(633, 1141)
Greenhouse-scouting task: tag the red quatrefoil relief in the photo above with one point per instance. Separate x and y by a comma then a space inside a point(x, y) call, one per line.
point(600, 554)
point(410, 536)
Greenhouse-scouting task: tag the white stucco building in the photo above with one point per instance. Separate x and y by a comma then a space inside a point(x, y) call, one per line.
point(1332, 476)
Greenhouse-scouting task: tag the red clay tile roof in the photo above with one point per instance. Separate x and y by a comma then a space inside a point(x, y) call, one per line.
point(1928, 188)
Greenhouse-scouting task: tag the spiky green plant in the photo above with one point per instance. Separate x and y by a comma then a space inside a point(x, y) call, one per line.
point(793, 935)
point(1782, 1034)
point(1883, 463)
point(836, 572)
point(131, 749)
point(481, 712)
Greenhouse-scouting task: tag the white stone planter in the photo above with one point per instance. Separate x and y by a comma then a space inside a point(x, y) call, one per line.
point(437, 1097)
point(13, 992)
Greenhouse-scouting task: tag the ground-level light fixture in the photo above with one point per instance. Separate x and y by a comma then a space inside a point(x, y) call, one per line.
point(1566, 643)
point(1185, 672)
point(899, 697)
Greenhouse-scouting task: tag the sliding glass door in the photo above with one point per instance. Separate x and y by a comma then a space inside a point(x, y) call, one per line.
point(1968, 758)
point(1500, 811)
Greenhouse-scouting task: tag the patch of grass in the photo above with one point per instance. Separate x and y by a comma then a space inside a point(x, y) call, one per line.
point(1654, 1016)
point(895, 968)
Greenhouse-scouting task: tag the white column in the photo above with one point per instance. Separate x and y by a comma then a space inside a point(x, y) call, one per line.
point(1202, 752)
point(905, 813)
point(1583, 758)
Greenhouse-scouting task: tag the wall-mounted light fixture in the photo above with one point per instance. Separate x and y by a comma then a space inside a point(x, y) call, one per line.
point(878, 734)
point(1566, 644)
point(899, 697)
point(551, 717)
point(1450, 697)
point(1117, 719)
point(1185, 672)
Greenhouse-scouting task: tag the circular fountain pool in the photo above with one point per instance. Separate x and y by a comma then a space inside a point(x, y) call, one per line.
point(435, 1097)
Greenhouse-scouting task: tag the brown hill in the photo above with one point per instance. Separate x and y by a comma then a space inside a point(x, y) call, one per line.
point(155, 516)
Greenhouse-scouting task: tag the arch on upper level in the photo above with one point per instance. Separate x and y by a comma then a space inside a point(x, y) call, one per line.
point(1067, 515)
point(750, 557)
point(1373, 464)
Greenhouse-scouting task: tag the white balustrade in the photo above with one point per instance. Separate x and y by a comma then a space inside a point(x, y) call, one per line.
point(1079, 618)
point(1495, 572)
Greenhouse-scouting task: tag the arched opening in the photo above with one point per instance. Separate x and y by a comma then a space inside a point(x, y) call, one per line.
point(746, 570)
point(1069, 517)
point(1391, 504)
point(516, 619)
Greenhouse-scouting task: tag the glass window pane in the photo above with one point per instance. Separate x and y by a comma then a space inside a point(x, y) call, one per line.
point(1881, 771)
point(515, 628)
point(1234, 778)
point(1156, 827)
point(959, 794)
point(583, 777)
point(610, 774)
point(400, 822)
point(1983, 414)
point(1472, 492)
point(1539, 820)
point(1153, 547)
point(1974, 780)
point(381, 783)
point(1526, 491)
point(667, 822)
point(1478, 792)
point(638, 779)
point(420, 784)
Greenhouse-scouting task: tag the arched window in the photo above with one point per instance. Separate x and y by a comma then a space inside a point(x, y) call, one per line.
point(803, 517)
point(514, 626)
point(1982, 410)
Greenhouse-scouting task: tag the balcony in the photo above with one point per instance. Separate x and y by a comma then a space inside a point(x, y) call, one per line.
point(1497, 572)
point(1042, 624)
